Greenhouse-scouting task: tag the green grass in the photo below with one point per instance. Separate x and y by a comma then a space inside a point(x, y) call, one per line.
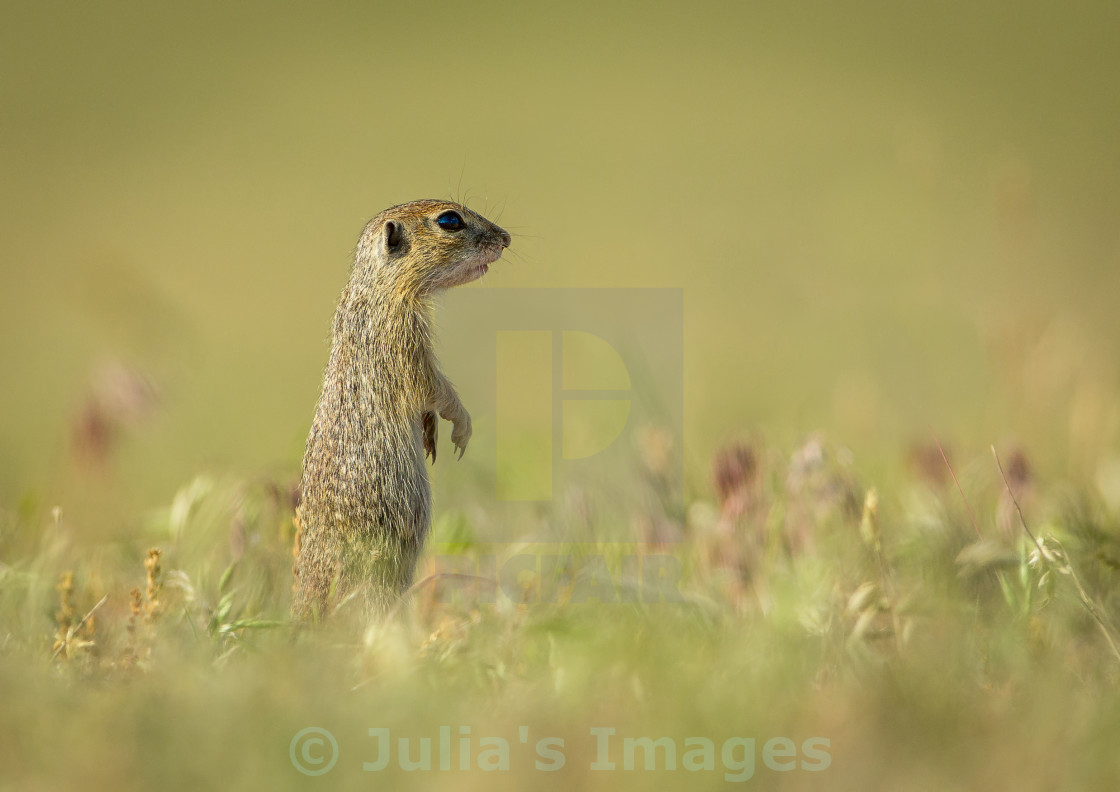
point(926, 656)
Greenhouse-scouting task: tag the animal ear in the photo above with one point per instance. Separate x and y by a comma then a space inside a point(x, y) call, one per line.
point(394, 235)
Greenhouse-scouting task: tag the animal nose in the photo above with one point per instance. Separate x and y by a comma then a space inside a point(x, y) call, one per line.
point(503, 237)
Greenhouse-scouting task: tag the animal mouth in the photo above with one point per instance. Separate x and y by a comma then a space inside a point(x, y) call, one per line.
point(479, 264)
point(476, 269)
point(488, 256)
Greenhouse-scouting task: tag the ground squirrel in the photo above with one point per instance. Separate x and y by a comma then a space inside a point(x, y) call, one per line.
point(365, 503)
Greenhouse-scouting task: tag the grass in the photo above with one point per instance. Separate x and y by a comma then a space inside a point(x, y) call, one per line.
point(800, 605)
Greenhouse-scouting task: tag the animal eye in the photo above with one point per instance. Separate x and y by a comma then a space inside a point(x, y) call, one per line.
point(450, 221)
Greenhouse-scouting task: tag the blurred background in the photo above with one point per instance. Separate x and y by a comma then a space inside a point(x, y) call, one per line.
point(885, 218)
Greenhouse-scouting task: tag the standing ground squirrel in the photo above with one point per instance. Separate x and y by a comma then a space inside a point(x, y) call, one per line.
point(365, 503)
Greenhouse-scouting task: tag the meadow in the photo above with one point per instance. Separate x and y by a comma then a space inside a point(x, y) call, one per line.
point(887, 241)
point(804, 631)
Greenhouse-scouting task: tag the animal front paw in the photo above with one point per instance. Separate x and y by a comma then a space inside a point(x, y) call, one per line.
point(461, 432)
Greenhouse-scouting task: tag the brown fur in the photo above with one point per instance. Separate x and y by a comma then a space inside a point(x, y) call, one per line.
point(366, 503)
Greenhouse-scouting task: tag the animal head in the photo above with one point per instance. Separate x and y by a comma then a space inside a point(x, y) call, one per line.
point(423, 246)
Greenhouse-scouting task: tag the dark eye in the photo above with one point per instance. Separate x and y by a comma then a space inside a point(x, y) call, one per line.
point(450, 221)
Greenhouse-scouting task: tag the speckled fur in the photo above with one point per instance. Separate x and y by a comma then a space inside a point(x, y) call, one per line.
point(365, 504)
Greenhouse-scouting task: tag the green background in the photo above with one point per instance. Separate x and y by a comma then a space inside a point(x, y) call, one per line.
point(886, 217)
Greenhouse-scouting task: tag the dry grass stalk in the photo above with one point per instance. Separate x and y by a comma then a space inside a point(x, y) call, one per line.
point(144, 608)
point(1061, 563)
point(70, 637)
